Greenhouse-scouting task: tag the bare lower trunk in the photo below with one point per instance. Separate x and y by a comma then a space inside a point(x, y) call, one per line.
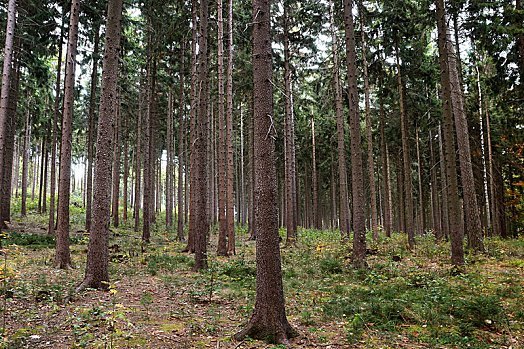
point(230, 211)
point(116, 163)
point(63, 257)
point(97, 268)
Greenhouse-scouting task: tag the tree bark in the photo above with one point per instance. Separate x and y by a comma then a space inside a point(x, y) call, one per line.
point(97, 271)
point(63, 257)
point(25, 159)
point(56, 117)
point(268, 320)
point(317, 223)
point(116, 161)
point(222, 148)
point(91, 130)
point(230, 211)
point(4, 90)
point(369, 134)
point(385, 171)
point(138, 161)
point(455, 227)
point(406, 159)
point(341, 146)
point(126, 171)
point(198, 220)
point(181, 151)
point(357, 177)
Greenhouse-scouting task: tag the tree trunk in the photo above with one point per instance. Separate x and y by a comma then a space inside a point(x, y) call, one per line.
point(406, 159)
point(435, 206)
point(369, 134)
point(230, 211)
point(341, 146)
point(385, 171)
point(116, 159)
point(444, 188)
point(289, 141)
point(63, 257)
point(357, 177)
point(181, 151)
point(97, 271)
point(455, 229)
point(4, 91)
point(222, 148)
point(91, 130)
point(268, 320)
point(126, 171)
point(316, 213)
point(198, 220)
point(138, 161)
point(421, 213)
point(471, 209)
point(25, 160)
point(41, 194)
point(6, 175)
point(148, 160)
point(169, 164)
point(54, 139)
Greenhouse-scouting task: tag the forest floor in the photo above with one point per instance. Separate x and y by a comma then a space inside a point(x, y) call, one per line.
point(404, 300)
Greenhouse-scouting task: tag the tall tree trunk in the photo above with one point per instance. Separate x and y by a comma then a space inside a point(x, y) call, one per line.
point(385, 171)
point(230, 211)
point(198, 222)
point(471, 209)
point(268, 320)
point(43, 152)
point(222, 149)
point(181, 151)
point(357, 177)
point(316, 213)
point(421, 213)
point(289, 142)
point(63, 257)
point(435, 206)
point(126, 170)
point(483, 151)
point(46, 164)
point(495, 204)
point(97, 268)
point(406, 159)
point(6, 174)
point(369, 133)
point(148, 160)
point(25, 159)
point(138, 161)
point(445, 221)
point(341, 146)
point(4, 91)
point(91, 130)
point(455, 227)
point(54, 139)
point(116, 161)
point(169, 163)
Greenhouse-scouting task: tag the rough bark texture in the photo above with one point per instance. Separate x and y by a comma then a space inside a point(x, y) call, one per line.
point(138, 163)
point(289, 141)
point(344, 213)
point(369, 134)
point(54, 139)
point(6, 81)
point(471, 208)
point(126, 172)
point(455, 227)
point(268, 321)
point(317, 218)
point(387, 224)
point(181, 151)
point(91, 130)
point(63, 257)
point(198, 220)
point(116, 161)
point(406, 160)
point(222, 151)
point(97, 273)
point(357, 177)
point(25, 160)
point(230, 210)
point(169, 164)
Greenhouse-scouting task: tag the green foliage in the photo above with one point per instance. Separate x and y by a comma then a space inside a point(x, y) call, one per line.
point(156, 262)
